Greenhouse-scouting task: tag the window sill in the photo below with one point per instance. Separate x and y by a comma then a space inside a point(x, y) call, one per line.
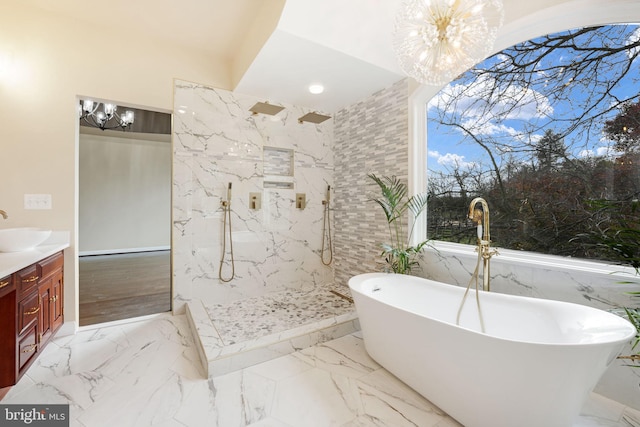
point(531, 259)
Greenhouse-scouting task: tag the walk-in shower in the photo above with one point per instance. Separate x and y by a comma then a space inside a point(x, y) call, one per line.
point(280, 298)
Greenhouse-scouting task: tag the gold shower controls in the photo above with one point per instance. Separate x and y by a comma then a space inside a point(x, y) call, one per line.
point(255, 201)
point(301, 200)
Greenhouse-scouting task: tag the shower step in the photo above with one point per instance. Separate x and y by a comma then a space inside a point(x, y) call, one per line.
point(219, 359)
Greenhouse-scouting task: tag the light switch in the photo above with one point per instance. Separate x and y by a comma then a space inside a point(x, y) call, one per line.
point(37, 201)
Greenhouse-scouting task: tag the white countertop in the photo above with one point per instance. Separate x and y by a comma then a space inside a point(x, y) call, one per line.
point(10, 262)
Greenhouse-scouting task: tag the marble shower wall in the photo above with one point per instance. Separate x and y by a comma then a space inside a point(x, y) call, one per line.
point(216, 141)
point(370, 137)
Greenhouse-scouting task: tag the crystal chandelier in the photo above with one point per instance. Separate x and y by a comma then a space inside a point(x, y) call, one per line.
point(437, 40)
point(107, 118)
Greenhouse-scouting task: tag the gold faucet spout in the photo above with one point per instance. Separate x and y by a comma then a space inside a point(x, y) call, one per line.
point(480, 217)
point(4, 214)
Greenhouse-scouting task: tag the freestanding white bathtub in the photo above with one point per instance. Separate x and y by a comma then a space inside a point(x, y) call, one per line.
point(534, 366)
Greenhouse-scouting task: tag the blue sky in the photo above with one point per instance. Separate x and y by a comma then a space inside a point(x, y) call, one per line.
point(448, 147)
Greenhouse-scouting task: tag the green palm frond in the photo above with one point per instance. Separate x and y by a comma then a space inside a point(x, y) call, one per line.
point(633, 314)
point(395, 203)
point(393, 192)
point(418, 203)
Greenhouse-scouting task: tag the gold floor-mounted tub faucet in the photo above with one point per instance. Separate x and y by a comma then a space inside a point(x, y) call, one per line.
point(480, 217)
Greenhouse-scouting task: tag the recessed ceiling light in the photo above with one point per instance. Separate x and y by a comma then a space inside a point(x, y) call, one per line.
point(316, 88)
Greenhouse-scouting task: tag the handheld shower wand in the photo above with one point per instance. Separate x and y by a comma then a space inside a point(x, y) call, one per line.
point(326, 229)
point(226, 206)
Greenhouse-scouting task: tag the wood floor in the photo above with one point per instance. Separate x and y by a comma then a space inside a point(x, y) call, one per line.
point(115, 287)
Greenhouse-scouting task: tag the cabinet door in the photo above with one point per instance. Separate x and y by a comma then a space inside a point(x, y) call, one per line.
point(57, 308)
point(27, 346)
point(28, 311)
point(46, 303)
point(27, 280)
point(6, 285)
point(51, 265)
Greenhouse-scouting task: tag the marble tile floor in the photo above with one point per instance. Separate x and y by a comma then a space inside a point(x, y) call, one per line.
point(147, 373)
point(251, 318)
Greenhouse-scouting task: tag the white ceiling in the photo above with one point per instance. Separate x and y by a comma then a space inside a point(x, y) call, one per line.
point(345, 45)
point(288, 64)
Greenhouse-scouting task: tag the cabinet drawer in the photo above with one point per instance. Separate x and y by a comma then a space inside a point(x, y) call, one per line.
point(28, 309)
point(27, 346)
point(27, 280)
point(6, 285)
point(50, 265)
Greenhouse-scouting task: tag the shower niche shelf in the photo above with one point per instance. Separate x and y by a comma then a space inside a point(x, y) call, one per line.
point(277, 161)
point(278, 185)
point(278, 168)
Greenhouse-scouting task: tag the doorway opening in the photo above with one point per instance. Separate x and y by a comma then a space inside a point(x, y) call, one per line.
point(124, 229)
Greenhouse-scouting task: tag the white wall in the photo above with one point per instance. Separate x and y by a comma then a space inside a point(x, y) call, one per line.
point(125, 193)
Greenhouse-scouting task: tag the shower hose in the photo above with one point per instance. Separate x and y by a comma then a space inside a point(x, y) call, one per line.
point(227, 214)
point(473, 276)
point(326, 234)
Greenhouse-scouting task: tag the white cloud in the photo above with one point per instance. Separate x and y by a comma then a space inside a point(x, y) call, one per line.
point(488, 128)
point(508, 102)
point(450, 159)
point(606, 151)
point(602, 151)
point(633, 38)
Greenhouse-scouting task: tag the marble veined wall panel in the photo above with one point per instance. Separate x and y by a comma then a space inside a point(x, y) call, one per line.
point(217, 141)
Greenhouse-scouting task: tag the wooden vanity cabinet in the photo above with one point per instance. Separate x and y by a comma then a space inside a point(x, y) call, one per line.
point(31, 311)
point(50, 296)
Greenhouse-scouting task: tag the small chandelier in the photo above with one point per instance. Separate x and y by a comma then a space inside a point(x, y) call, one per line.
point(437, 40)
point(107, 118)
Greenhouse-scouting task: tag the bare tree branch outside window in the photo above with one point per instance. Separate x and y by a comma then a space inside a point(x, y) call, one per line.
point(548, 131)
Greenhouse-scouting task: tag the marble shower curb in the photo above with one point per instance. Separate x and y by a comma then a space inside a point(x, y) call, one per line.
point(218, 359)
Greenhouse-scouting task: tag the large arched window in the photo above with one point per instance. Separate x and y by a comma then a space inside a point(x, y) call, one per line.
point(556, 18)
point(548, 131)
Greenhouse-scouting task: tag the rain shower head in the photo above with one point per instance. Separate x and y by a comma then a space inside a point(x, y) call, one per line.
point(313, 118)
point(266, 108)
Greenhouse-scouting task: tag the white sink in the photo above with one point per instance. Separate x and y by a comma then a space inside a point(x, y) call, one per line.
point(22, 239)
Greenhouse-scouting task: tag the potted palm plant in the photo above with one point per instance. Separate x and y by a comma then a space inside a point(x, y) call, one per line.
point(620, 240)
point(399, 255)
